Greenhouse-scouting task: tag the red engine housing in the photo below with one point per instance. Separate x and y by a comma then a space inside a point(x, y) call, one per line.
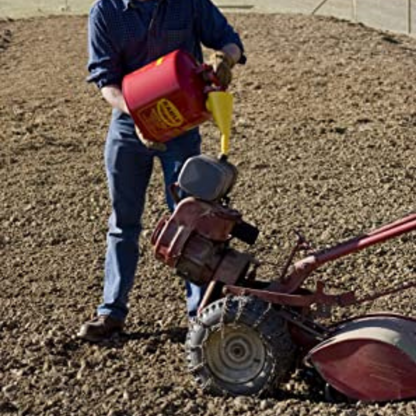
point(194, 241)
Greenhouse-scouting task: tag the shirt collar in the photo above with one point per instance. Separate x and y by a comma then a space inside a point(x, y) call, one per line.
point(127, 3)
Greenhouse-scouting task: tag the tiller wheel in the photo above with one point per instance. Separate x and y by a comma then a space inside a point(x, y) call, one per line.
point(239, 346)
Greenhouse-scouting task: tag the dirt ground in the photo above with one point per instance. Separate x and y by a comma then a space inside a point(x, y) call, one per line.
point(324, 139)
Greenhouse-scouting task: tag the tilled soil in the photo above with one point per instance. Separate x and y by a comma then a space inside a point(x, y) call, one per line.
point(324, 139)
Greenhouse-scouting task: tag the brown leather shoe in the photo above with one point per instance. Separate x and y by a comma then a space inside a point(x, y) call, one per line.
point(100, 328)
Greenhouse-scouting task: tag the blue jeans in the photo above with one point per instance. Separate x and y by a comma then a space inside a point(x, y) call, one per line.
point(129, 166)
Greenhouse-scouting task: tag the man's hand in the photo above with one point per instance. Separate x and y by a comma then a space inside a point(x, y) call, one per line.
point(222, 63)
point(113, 95)
point(161, 147)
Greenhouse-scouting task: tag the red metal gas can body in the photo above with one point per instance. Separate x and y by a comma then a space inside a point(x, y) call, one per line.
point(167, 97)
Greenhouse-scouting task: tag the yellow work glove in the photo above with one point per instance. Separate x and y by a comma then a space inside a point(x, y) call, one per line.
point(222, 64)
point(149, 143)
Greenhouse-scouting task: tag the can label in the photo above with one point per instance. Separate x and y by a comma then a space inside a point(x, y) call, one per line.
point(161, 117)
point(169, 113)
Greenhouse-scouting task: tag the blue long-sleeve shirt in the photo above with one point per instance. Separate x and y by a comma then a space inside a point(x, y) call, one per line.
point(125, 35)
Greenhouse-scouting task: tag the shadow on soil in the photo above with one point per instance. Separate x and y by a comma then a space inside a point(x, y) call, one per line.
point(176, 335)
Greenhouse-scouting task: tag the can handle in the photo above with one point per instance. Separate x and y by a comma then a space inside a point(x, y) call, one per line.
point(208, 75)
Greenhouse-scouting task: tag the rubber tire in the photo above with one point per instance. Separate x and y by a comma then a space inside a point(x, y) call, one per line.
point(268, 326)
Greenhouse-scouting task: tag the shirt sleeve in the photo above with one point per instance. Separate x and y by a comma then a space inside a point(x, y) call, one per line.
point(104, 63)
point(214, 30)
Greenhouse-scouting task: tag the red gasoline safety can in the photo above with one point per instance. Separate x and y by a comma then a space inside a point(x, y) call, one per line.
point(167, 97)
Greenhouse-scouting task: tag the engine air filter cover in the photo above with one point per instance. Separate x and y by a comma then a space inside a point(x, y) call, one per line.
point(207, 178)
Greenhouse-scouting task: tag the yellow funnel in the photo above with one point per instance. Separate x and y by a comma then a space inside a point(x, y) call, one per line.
point(220, 105)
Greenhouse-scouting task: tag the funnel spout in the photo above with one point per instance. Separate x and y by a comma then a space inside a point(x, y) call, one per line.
point(220, 105)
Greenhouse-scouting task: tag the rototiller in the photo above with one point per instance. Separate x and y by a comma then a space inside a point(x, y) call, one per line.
point(250, 334)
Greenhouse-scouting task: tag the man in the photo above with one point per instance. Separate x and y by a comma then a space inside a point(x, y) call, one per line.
point(125, 35)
